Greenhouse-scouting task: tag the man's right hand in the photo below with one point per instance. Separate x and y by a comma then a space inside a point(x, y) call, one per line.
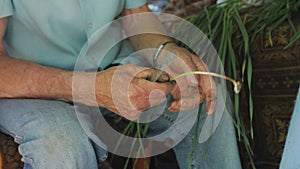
point(123, 90)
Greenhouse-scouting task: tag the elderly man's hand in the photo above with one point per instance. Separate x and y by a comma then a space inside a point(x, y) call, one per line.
point(126, 91)
point(191, 89)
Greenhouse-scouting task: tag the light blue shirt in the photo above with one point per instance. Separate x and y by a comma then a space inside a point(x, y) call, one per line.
point(53, 33)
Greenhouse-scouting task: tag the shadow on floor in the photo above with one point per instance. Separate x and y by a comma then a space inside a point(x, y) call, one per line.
point(166, 160)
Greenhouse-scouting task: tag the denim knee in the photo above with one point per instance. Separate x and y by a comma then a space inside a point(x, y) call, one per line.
point(55, 150)
point(49, 134)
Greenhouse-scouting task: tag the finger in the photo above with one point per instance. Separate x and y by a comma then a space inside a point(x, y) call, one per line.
point(211, 101)
point(159, 76)
point(182, 105)
point(176, 92)
point(153, 75)
point(210, 90)
point(157, 91)
point(200, 65)
point(207, 85)
point(186, 103)
point(164, 77)
point(180, 87)
point(185, 91)
point(184, 60)
point(183, 64)
point(145, 73)
point(166, 87)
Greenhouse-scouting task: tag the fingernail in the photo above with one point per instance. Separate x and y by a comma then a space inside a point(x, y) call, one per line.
point(209, 112)
point(194, 82)
point(164, 78)
point(170, 109)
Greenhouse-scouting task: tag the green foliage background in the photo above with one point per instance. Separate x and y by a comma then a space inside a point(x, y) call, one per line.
point(244, 22)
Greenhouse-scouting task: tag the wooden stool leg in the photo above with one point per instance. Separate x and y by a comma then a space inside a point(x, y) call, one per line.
point(1, 159)
point(143, 163)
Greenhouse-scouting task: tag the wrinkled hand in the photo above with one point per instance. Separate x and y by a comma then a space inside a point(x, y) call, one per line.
point(191, 89)
point(126, 91)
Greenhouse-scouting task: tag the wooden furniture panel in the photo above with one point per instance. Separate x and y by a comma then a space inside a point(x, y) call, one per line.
point(10, 158)
point(276, 79)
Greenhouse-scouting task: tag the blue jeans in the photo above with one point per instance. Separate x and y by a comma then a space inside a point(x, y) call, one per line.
point(290, 157)
point(50, 136)
point(218, 152)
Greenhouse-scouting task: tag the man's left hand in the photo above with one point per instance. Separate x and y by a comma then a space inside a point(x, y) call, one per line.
point(190, 90)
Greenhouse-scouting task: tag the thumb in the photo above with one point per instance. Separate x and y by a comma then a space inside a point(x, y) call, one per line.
point(153, 75)
point(166, 87)
point(145, 73)
point(211, 101)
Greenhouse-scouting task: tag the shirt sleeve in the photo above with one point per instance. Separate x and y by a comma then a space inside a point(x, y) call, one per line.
point(6, 8)
point(130, 4)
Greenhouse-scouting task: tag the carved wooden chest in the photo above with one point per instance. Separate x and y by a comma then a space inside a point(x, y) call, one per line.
point(276, 79)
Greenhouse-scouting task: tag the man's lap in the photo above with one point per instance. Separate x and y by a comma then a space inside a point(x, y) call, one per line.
point(27, 118)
